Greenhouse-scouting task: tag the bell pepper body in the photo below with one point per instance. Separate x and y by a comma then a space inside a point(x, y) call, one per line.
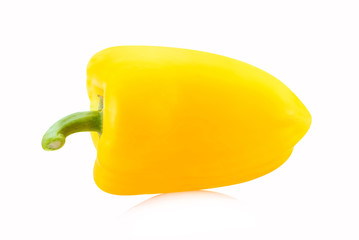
point(180, 120)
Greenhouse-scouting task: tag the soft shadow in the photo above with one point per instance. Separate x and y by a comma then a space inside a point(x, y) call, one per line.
point(196, 213)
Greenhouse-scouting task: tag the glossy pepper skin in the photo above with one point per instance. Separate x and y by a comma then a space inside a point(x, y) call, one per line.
point(179, 120)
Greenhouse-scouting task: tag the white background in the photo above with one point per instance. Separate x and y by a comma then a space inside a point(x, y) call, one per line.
point(311, 46)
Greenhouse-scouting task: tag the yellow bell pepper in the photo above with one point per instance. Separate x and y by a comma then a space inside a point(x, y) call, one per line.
point(169, 119)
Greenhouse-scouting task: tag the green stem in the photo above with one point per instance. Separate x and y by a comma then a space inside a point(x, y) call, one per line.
point(55, 137)
point(90, 121)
